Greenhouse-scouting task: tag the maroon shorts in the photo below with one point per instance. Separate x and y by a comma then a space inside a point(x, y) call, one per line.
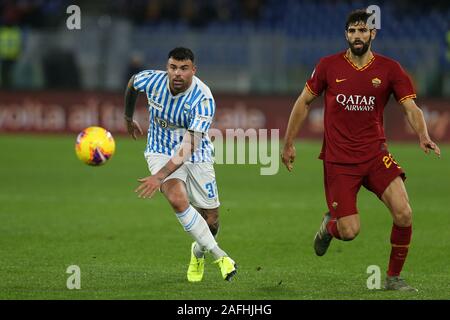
point(343, 181)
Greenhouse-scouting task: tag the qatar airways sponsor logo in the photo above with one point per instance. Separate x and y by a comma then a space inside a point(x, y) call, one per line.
point(356, 102)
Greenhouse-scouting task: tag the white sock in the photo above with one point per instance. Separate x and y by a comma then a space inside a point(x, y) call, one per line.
point(193, 222)
point(199, 251)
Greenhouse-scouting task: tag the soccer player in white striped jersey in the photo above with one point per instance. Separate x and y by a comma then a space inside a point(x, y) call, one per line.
point(179, 153)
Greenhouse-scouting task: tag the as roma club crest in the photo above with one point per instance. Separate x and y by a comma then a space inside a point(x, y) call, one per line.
point(376, 82)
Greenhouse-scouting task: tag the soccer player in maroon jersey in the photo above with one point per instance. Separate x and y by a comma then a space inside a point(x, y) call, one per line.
point(357, 85)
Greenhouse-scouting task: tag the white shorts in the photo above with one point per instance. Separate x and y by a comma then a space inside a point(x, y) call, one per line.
point(200, 179)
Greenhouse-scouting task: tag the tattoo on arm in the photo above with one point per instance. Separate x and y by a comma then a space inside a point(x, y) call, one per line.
point(165, 172)
point(130, 99)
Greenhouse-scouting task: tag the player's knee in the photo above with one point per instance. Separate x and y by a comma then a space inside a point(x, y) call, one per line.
point(348, 228)
point(348, 236)
point(348, 233)
point(403, 216)
point(178, 202)
point(175, 195)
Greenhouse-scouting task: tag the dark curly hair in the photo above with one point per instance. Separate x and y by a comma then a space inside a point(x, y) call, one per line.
point(360, 15)
point(181, 54)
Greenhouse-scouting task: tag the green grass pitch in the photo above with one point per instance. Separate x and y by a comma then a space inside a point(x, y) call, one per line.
point(56, 212)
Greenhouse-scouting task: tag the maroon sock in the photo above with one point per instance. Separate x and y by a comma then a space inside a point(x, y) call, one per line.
point(400, 240)
point(332, 228)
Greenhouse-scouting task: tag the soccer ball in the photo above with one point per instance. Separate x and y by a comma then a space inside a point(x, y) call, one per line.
point(95, 146)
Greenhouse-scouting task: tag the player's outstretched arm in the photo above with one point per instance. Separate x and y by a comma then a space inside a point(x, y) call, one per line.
point(417, 122)
point(131, 95)
point(298, 115)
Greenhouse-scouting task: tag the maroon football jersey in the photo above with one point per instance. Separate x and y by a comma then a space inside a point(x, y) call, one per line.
point(354, 103)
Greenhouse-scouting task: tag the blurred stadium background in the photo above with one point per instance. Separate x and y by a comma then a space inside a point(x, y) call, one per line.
point(256, 56)
point(244, 49)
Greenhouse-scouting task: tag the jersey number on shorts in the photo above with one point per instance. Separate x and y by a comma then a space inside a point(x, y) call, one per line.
point(388, 160)
point(210, 187)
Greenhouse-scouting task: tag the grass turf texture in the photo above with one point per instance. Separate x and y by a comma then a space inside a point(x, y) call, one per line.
point(56, 212)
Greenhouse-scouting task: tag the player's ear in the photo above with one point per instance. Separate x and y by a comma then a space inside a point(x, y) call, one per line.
point(345, 33)
point(194, 68)
point(373, 33)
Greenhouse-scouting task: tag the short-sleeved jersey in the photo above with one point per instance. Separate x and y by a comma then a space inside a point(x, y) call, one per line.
point(171, 116)
point(354, 100)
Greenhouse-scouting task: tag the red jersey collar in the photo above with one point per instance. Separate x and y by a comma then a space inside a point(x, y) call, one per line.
point(364, 67)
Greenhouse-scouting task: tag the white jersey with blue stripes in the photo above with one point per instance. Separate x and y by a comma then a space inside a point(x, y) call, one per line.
point(171, 116)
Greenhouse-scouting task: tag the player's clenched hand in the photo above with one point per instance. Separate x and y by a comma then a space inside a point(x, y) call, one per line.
point(133, 128)
point(288, 156)
point(148, 186)
point(426, 144)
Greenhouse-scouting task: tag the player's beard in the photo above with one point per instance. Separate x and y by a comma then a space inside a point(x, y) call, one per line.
point(179, 86)
point(360, 51)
